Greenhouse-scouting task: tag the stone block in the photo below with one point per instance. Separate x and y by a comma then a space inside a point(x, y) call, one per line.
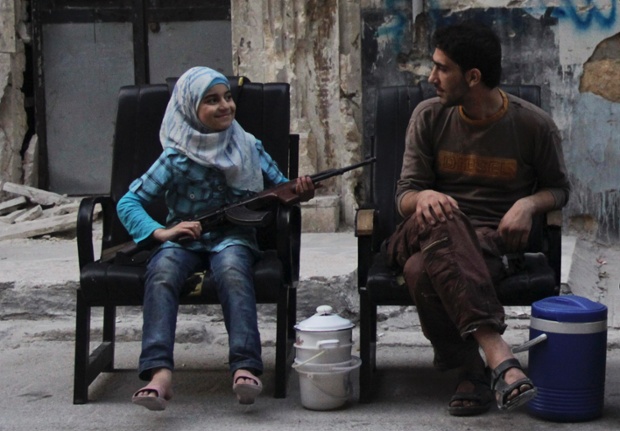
point(321, 214)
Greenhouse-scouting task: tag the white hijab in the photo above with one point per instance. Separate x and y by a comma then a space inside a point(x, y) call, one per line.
point(232, 151)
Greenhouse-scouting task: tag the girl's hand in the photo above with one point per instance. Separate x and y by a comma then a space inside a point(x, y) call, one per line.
point(185, 229)
point(304, 187)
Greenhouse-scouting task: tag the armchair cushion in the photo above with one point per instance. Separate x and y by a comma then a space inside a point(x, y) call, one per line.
point(109, 282)
point(534, 280)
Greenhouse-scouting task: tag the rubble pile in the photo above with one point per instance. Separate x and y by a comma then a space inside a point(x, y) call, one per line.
point(29, 212)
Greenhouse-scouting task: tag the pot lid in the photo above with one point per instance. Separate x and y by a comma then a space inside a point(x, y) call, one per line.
point(324, 320)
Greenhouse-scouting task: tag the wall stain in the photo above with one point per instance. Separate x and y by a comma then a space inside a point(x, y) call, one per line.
point(603, 207)
point(321, 16)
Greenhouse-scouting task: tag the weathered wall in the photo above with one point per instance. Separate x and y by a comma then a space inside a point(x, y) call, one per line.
point(12, 111)
point(569, 47)
point(313, 45)
point(330, 50)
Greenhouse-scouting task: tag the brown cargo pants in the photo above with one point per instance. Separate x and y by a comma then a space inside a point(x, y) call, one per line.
point(449, 270)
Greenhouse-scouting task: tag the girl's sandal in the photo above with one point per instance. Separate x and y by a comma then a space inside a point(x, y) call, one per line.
point(246, 392)
point(155, 402)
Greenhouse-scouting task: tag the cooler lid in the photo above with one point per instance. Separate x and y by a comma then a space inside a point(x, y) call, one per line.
point(569, 308)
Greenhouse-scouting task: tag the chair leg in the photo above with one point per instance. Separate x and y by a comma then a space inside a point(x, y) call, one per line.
point(82, 342)
point(281, 344)
point(292, 314)
point(89, 365)
point(368, 343)
point(109, 333)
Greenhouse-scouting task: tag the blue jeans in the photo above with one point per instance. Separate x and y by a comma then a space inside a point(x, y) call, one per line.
point(166, 274)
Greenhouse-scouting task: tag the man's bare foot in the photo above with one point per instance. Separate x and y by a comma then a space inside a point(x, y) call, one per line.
point(498, 354)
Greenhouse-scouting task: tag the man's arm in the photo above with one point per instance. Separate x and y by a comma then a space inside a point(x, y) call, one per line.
point(515, 226)
point(414, 193)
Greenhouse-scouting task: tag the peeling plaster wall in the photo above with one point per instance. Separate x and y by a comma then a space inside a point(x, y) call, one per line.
point(571, 48)
point(335, 54)
point(314, 46)
point(12, 112)
point(586, 107)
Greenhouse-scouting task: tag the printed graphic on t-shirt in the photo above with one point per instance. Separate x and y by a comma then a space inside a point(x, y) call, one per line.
point(477, 166)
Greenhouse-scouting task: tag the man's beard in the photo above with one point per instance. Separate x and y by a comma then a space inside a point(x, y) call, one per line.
point(455, 97)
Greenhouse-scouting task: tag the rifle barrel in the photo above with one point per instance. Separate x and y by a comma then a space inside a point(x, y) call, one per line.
point(333, 172)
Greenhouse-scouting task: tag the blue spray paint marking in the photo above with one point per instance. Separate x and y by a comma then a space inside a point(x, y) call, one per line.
point(594, 13)
point(394, 30)
point(583, 13)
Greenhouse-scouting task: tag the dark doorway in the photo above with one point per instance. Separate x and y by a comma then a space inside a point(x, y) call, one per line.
point(85, 50)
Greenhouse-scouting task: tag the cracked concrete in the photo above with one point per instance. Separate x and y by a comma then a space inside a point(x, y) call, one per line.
point(37, 352)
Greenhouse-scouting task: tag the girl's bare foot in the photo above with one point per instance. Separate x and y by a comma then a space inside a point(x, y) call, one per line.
point(246, 386)
point(156, 394)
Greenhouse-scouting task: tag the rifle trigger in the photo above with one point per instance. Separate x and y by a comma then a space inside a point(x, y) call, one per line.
point(244, 216)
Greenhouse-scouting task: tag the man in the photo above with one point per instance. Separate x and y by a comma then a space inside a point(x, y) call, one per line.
point(479, 165)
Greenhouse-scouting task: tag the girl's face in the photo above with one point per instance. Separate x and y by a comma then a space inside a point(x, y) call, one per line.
point(217, 108)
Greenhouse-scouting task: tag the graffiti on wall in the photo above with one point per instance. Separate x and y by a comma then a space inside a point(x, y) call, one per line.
point(398, 15)
point(584, 14)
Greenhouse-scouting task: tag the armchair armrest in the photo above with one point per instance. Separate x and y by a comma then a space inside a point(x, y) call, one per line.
point(364, 222)
point(86, 253)
point(554, 218)
point(364, 229)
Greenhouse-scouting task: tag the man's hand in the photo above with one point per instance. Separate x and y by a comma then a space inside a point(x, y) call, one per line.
point(185, 230)
point(515, 226)
point(432, 207)
point(304, 188)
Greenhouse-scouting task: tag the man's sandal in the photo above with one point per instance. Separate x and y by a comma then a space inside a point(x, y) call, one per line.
point(504, 390)
point(481, 396)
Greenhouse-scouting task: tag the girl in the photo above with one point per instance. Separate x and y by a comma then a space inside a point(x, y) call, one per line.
point(208, 161)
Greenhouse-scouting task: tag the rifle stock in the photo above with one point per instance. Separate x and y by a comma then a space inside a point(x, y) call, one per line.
point(256, 211)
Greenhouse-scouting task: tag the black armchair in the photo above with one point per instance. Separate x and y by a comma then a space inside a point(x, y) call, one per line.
point(378, 285)
point(108, 282)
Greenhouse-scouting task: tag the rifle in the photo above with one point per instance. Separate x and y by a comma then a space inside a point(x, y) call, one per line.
point(252, 212)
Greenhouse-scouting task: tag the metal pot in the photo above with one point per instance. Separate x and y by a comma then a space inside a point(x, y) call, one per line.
point(325, 353)
point(324, 331)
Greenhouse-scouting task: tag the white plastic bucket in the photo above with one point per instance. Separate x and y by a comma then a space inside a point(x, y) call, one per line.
point(326, 386)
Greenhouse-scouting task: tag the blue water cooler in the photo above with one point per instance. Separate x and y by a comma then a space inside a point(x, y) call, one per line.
point(567, 365)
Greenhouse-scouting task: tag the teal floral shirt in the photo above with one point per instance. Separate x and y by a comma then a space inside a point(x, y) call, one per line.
point(189, 189)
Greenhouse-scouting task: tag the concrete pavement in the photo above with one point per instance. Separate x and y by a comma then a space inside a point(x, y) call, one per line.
point(37, 278)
